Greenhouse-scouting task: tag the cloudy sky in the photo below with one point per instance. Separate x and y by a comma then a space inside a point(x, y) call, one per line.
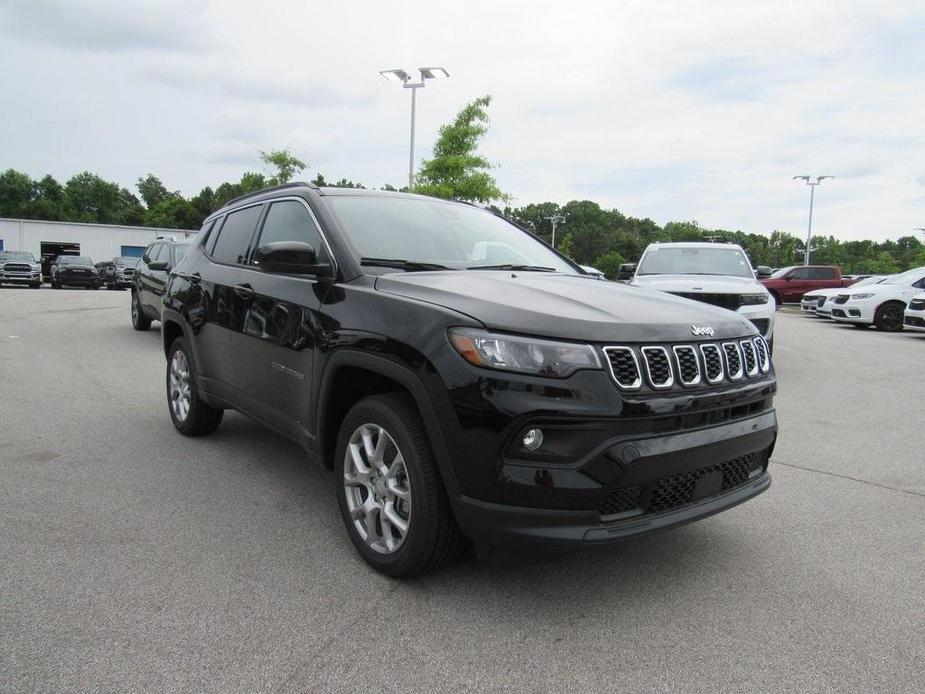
point(671, 110)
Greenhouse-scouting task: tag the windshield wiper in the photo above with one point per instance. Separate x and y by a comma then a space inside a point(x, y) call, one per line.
point(409, 265)
point(522, 268)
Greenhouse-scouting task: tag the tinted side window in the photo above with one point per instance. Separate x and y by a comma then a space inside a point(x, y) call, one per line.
point(801, 273)
point(209, 244)
point(235, 236)
point(290, 221)
point(822, 273)
point(149, 253)
point(154, 253)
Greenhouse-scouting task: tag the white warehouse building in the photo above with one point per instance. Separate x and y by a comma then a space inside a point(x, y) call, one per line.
point(98, 241)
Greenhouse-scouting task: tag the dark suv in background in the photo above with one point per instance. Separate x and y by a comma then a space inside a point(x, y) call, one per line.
point(74, 270)
point(461, 377)
point(118, 272)
point(149, 279)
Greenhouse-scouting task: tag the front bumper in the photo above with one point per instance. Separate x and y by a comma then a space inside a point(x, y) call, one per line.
point(854, 311)
point(914, 320)
point(20, 277)
point(809, 305)
point(80, 280)
point(651, 483)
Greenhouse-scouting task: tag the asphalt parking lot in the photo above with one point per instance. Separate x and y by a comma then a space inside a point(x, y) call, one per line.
point(133, 559)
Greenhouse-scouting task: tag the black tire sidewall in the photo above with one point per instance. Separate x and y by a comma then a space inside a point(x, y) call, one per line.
point(376, 410)
point(188, 426)
point(878, 317)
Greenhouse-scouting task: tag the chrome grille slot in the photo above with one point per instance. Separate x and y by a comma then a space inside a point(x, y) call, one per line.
point(733, 360)
point(763, 354)
point(688, 365)
point(658, 367)
point(713, 363)
point(624, 367)
point(748, 352)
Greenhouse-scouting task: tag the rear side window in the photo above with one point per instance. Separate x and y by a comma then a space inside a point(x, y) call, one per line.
point(801, 273)
point(234, 239)
point(290, 221)
point(822, 273)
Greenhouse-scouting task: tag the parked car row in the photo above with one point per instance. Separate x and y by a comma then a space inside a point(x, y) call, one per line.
point(22, 267)
point(889, 303)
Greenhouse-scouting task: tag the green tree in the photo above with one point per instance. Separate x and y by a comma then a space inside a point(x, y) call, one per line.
point(175, 212)
point(91, 199)
point(456, 170)
point(16, 191)
point(565, 246)
point(284, 162)
point(152, 191)
point(49, 201)
point(609, 264)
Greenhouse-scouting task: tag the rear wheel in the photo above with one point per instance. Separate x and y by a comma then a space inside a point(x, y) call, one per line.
point(390, 494)
point(777, 301)
point(139, 320)
point(190, 415)
point(36, 285)
point(889, 317)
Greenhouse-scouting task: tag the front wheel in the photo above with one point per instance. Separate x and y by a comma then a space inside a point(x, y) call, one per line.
point(889, 317)
point(389, 491)
point(190, 415)
point(36, 285)
point(139, 320)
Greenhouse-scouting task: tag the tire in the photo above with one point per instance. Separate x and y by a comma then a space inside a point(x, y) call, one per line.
point(139, 320)
point(36, 285)
point(189, 414)
point(860, 326)
point(777, 301)
point(55, 284)
point(889, 317)
point(431, 538)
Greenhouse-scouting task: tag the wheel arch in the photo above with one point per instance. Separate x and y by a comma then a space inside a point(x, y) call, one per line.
point(351, 375)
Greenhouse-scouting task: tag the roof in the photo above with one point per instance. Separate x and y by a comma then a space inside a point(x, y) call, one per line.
point(694, 244)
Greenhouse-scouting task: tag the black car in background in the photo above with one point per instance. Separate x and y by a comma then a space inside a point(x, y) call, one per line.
point(20, 267)
point(118, 272)
point(74, 270)
point(149, 279)
point(461, 377)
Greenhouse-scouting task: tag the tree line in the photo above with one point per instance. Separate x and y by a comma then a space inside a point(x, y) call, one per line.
point(591, 234)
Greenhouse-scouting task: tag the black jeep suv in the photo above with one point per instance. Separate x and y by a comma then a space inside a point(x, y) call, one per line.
point(149, 279)
point(74, 270)
point(462, 378)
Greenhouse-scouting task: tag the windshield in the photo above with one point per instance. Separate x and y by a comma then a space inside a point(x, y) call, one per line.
point(873, 279)
point(780, 273)
point(180, 250)
point(74, 260)
point(16, 255)
point(425, 230)
point(907, 277)
point(680, 260)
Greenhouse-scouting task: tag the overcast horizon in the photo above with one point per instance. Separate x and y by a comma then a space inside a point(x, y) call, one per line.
point(673, 111)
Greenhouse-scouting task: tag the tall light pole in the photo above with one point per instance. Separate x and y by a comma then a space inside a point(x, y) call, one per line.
point(398, 75)
point(812, 190)
point(555, 219)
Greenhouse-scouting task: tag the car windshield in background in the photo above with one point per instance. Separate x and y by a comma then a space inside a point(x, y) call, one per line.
point(674, 260)
point(421, 230)
point(127, 261)
point(180, 250)
point(15, 255)
point(908, 277)
point(74, 260)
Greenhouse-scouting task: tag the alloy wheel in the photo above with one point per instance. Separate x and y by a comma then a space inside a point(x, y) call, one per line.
point(377, 488)
point(891, 317)
point(179, 386)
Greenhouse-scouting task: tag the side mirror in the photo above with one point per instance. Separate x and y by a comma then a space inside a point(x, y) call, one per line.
point(290, 258)
point(625, 272)
point(763, 271)
point(158, 266)
point(789, 277)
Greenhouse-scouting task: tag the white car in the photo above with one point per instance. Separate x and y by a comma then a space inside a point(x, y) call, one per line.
point(819, 301)
point(881, 305)
point(715, 273)
point(914, 318)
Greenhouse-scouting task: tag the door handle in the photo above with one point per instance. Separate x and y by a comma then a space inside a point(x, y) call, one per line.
point(195, 278)
point(245, 291)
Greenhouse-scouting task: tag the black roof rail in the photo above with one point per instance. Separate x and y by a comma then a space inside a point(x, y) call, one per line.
point(282, 186)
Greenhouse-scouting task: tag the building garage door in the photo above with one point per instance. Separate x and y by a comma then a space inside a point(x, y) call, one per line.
point(132, 251)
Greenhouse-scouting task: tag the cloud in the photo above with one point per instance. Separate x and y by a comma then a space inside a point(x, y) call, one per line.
point(107, 25)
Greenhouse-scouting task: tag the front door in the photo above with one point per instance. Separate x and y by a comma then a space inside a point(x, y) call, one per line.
point(274, 351)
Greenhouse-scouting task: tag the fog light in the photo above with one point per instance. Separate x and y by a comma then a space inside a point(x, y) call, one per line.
point(533, 439)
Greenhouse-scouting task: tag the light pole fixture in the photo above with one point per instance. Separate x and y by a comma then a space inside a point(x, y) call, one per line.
point(555, 219)
point(398, 75)
point(812, 190)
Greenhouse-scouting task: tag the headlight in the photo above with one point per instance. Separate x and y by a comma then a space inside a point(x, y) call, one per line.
point(861, 296)
point(522, 354)
point(754, 299)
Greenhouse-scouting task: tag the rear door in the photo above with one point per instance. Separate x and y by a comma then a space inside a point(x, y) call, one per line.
point(275, 348)
point(147, 279)
point(225, 253)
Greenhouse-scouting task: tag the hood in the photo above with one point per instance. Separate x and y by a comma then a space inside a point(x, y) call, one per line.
point(708, 284)
point(565, 306)
point(825, 292)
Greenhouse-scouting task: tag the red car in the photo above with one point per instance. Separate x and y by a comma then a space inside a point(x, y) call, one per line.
point(789, 284)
